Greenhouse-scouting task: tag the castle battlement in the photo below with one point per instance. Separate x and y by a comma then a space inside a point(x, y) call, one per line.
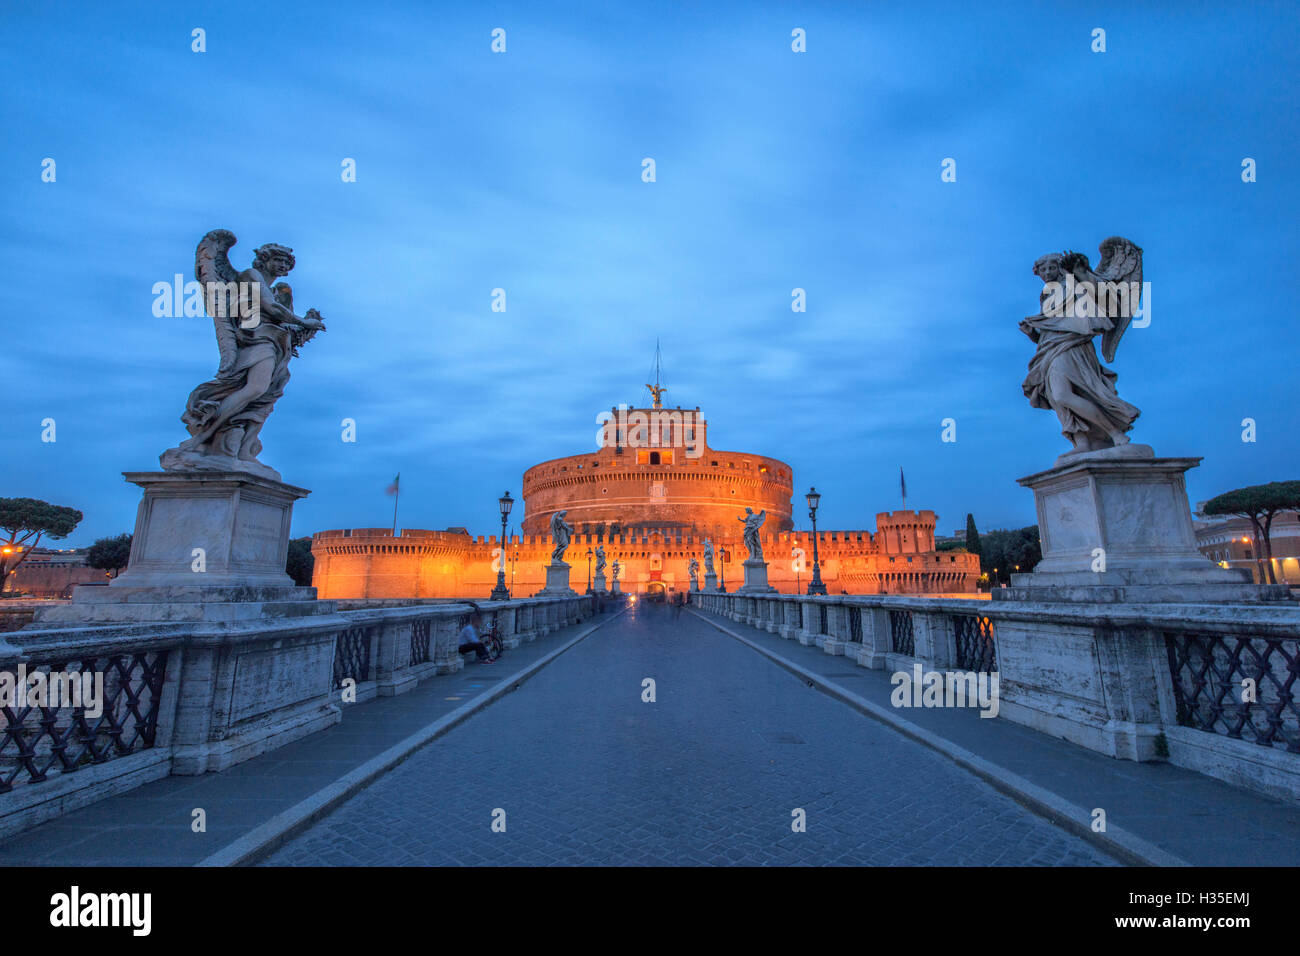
point(650, 495)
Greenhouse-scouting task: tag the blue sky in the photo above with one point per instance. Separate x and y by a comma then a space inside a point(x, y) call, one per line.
point(522, 171)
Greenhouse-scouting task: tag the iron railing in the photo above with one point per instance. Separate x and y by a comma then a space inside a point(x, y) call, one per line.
point(902, 637)
point(420, 641)
point(352, 655)
point(976, 650)
point(1240, 687)
point(855, 624)
point(36, 741)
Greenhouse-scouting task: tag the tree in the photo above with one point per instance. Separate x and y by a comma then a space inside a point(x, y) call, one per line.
point(1008, 552)
point(26, 521)
point(110, 554)
point(972, 535)
point(300, 563)
point(1261, 504)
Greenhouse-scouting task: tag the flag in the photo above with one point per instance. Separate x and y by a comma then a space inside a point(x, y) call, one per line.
point(392, 489)
point(902, 482)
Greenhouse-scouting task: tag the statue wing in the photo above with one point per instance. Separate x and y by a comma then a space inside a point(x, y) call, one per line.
point(213, 269)
point(1121, 261)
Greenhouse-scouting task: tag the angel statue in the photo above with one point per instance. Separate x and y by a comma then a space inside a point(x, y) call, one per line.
point(708, 557)
point(1075, 305)
point(693, 569)
point(561, 532)
point(616, 569)
point(752, 523)
point(257, 334)
point(600, 559)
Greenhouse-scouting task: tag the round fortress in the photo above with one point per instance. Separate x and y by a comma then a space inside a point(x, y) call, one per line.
point(649, 495)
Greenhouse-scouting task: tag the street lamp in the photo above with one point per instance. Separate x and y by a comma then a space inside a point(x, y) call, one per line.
point(501, 592)
point(726, 556)
point(815, 586)
point(589, 570)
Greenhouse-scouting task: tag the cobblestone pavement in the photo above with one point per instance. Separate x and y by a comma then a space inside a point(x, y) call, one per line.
point(710, 773)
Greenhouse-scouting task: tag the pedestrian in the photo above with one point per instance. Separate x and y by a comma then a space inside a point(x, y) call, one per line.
point(469, 638)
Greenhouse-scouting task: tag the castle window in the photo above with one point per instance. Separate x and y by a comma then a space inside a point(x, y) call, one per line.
point(654, 458)
point(604, 491)
point(714, 464)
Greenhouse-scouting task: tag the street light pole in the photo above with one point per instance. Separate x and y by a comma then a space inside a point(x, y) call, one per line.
point(815, 586)
point(722, 587)
point(589, 570)
point(501, 592)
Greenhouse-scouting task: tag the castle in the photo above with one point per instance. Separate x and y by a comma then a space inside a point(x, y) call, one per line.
point(650, 494)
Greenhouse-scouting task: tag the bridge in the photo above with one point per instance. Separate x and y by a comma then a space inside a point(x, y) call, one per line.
point(742, 730)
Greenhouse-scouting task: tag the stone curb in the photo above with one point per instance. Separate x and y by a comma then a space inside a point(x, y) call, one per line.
point(1126, 847)
point(271, 835)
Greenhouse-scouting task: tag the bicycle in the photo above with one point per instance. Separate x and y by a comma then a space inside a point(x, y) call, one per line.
point(491, 639)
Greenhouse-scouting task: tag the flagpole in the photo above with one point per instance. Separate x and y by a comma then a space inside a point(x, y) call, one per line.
point(397, 496)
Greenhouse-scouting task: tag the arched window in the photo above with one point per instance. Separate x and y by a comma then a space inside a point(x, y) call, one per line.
point(654, 458)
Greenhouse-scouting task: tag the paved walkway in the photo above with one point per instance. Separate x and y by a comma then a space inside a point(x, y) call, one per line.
point(710, 773)
point(151, 825)
point(586, 772)
point(1199, 819)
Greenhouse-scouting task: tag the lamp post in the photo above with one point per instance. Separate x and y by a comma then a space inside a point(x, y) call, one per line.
point(726, 556)
point(815, 586)
point(501, 592)
point(589, 570)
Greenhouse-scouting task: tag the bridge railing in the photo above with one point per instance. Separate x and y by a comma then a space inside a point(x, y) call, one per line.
point(1212, 687)
point(138, 702)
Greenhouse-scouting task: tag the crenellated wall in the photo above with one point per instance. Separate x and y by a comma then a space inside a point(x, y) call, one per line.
point(371, 563)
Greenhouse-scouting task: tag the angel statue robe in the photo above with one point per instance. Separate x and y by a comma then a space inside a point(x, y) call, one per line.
point(1065, 344)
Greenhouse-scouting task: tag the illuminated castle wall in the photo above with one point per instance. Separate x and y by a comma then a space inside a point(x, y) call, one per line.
point(650, 495)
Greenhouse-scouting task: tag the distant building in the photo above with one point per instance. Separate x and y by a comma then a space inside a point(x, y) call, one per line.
point(650, 495)
point(1230, 543)
point(53, 573)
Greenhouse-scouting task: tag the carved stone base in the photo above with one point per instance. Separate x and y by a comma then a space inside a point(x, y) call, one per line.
point(557, 580)
point(1115, 526)
point(598, 583)
point(210, 528)
point(755, 578)
point(614, 589)
point(710, 582)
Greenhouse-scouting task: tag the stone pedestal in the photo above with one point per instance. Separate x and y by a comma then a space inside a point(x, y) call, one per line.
point(710, 582)
point(598, 583)
point(207, 546)
point(1115, 527)
point(615, 588)
point(557, 580)
point(755, 578)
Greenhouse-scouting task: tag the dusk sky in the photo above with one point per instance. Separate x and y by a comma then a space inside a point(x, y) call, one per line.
point(522, 171)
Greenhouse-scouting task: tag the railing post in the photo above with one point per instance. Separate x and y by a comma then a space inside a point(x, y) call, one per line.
point(875, 637)
point(837, 629)
point(811, 628)
point(392, 661)
point(446, 638)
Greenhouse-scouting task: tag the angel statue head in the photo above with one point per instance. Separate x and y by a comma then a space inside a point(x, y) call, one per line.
point(274, 260)
point(1049, 267)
